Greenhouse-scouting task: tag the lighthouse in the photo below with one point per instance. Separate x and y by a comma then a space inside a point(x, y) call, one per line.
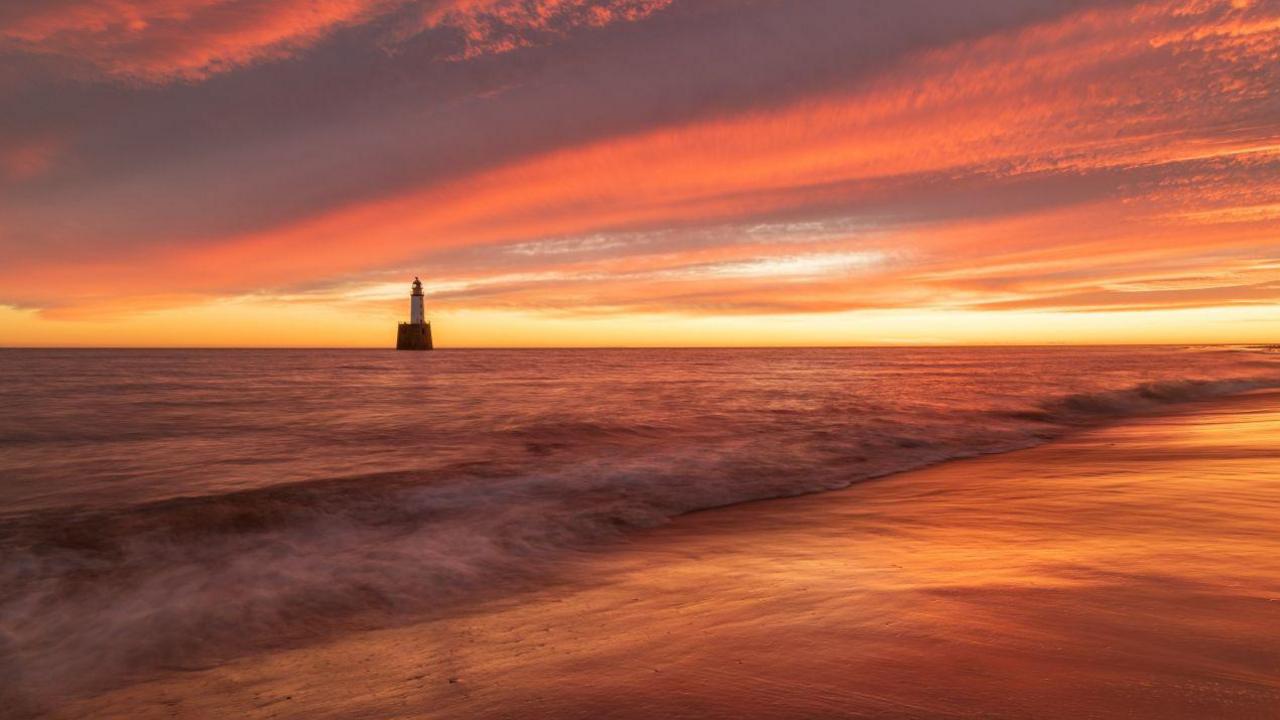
point(415, 334)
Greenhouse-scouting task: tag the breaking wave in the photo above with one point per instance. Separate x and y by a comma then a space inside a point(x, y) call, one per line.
point(1083, 408)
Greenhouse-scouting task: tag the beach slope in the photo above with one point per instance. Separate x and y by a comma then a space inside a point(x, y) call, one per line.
point(1131, 571)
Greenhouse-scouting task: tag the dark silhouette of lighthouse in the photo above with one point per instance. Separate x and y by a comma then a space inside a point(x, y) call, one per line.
point(415, 334)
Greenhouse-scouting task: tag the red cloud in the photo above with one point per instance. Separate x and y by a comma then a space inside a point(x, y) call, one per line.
point(162, 40)
point(496, 26)
point(29, 158)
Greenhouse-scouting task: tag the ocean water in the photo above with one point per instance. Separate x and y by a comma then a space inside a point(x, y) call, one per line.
point(163, 509)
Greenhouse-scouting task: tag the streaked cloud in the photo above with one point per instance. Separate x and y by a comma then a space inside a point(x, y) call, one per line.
point(160, 40)
point(163, 40)
point(1029, 156)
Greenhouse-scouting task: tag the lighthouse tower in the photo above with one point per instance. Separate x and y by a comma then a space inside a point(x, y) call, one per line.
point(415, 334)
point(415, 304)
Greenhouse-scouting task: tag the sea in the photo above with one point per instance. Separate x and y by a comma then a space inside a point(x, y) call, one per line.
point(170, 509)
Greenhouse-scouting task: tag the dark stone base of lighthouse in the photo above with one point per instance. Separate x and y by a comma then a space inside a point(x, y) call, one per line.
point(414, 336)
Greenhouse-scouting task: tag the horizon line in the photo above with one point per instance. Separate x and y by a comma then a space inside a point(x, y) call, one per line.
point(648, 347)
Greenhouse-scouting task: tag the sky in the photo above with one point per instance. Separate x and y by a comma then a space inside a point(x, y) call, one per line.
point(639, 172)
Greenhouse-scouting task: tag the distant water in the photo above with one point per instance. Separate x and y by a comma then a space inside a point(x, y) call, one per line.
point(162, 508)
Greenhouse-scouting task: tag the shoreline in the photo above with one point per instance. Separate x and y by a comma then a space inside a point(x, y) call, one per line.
point(925, 593)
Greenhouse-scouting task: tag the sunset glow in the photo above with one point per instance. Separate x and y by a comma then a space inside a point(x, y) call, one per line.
point(640, 172)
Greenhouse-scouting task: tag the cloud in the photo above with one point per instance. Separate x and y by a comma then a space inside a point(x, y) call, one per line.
point(158, 41)
point(29, 157)
point(497, 26)
point(1093, 158)
point(163, 40)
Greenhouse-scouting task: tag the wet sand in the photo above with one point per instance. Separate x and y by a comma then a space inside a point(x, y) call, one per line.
point(1126, 572)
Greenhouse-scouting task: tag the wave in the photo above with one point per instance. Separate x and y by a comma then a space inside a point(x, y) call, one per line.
point(1083, 408)
point(90, 595)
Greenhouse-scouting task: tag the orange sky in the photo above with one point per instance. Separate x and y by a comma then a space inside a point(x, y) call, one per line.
point(639, 172)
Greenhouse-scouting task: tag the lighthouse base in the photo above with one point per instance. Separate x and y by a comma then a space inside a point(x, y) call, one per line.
point(414, 336)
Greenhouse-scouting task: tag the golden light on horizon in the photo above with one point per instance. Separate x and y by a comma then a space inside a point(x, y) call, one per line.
point(268, 324)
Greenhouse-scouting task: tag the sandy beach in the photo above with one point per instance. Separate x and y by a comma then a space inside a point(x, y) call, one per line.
point(1131, 571)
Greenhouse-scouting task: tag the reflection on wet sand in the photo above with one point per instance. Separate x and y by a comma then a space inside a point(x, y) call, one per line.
point(1132, 571)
